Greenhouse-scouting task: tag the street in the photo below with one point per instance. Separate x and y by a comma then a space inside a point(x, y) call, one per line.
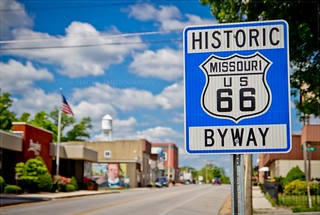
point(185, 200)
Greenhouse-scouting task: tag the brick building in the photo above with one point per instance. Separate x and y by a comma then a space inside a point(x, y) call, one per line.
point(171, 163)
point(281, 164)
point(84, 159)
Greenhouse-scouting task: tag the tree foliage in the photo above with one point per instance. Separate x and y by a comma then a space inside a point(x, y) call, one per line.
point(193, 171)
point(209, 171)
point(304, 29)
point(6, 116)
point(294, 174)
point(77, 131)
point(42, 119)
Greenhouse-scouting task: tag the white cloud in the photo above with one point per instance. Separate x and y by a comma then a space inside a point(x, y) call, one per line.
point(314, 121)
point(158, 134)
point(168, 17)
point(129, 99)
point(172, 96)
point(125, 125)
point(72, 60)
point(34, 101)
point(152, 13)
point(94, 110)
point(13, 15)
point(19, 78)
point(165, 64)
point(120, 129)
point(123, 99)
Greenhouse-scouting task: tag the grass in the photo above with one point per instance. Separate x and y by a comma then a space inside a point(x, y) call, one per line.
point(299, 203)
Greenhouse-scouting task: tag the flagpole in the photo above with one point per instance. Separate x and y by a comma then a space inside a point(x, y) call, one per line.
point(58, 139)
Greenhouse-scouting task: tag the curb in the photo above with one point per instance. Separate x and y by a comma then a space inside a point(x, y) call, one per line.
point(6, 200)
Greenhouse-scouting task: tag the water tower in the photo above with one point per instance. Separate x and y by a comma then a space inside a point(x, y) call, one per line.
point(107, 126)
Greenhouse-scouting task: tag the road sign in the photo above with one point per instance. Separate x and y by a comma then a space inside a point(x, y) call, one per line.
point(236, 79)
point(310, 149)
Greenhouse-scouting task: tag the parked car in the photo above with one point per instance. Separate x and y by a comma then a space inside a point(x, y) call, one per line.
point(216, 181)
point(161, 182)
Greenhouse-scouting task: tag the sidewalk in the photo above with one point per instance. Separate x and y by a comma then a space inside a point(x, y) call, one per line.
point(6, 200)
point(261, 206)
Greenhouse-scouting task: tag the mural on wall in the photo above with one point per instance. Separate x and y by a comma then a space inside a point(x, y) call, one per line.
point(110, 175)
point(87, 172)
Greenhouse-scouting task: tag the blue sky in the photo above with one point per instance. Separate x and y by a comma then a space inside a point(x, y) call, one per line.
point(122, 58)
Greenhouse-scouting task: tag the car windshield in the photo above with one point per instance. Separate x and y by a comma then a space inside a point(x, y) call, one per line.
point(162, 179)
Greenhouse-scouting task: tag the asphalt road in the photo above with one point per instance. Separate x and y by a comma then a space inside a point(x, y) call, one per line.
point(182, 200)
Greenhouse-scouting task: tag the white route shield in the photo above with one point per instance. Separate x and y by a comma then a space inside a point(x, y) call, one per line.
point(236, 86)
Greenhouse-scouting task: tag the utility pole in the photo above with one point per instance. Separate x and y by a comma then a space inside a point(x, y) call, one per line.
point(306, 172)
point(248, 183)
point(168, 161)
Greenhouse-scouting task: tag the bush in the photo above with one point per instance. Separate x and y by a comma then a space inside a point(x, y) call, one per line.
point(294, 174)
point(29, 183)
point(45, 182)
point(33, 176)
point(12, 189)
point(61, 183)
point(74, 183)
point(70, 188)
point(298, 187)
point(2, 184)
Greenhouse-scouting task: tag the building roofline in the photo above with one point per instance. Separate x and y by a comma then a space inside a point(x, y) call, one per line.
point(10, 133)
point(25, 123)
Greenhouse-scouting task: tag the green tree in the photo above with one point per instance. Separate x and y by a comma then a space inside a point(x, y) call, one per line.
point(24, 117)
point(193, 171)
point(42, 119)
point(304, 38)
point(79, 131)
point(66, 121)
point(208, 172)
point(217, 173)
point(6, 116)
point(294, 174)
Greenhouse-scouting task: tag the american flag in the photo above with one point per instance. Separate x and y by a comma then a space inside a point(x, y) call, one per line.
point(65, 108)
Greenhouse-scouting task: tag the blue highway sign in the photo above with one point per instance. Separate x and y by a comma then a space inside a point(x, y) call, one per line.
point(237, 91)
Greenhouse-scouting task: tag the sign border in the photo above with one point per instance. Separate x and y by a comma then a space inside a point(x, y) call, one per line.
point(287, 123)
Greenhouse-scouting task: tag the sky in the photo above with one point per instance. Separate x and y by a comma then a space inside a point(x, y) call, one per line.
point(121, 58)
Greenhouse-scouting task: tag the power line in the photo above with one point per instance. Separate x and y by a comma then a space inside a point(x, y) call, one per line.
point(91, 45)
point(86, 4)
point(90, 37)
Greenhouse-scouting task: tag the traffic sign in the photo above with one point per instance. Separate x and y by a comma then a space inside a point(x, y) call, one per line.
point(236, 79)
point(310, 149)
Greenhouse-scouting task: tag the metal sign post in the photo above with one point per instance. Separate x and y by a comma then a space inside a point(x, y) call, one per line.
point(237, 184)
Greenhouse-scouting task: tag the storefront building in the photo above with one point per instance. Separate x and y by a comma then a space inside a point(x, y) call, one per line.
point(28, 141)
point(133, 160)
point(171, 160)
point(132, 157)
point(275, 165)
